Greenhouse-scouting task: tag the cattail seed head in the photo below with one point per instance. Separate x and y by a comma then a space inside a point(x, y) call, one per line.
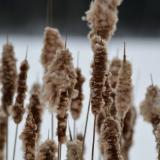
point(52, 42)
point(124, 89)
point(61, 76)
point(110, 139)
point(128, 131)
point(28, 137)
point(98, 73)
point(9, 77)
point(3, 132)
point(150, 107)
point(114, 69)
point(18, 108)
point(102, 17)
point(74, 150)
point(76, 104)
point(47, 151)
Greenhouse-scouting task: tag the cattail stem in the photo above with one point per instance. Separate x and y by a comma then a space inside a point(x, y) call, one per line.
point(94, 134)
point(59, 151)
point(52, 125)
point(70, 133)
point(15, 142)
point(85, 131)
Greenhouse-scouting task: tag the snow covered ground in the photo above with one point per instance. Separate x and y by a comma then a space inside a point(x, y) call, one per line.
point(145, 57)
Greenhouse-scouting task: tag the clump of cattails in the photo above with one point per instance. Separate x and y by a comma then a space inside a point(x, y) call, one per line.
point(52, 42)
point(18, 108)
point(47, 151)
point(102, 17)
point(76, 104)
point(9, 76)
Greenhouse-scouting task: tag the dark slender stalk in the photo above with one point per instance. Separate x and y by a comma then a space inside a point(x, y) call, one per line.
point(85, 131)
point(59, 151)
point(94, 133)
point(15, 142)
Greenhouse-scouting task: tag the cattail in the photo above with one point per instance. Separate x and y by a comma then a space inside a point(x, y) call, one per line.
point(76, 104)
point(114, 68)
point(102, 17)
point(98, 73)
point(28, 137)
point(100, 119)
point(128, 132)
point(35, 108)
point(110, 139)
point(61, 76)
point(150, 107)
point(62, 117)
point(47, 151)
point(18, 108)
point(3, 132)
point(74, 150)
point(52, 42)
point(124, 89)
point(107, 95)
point(9, 77)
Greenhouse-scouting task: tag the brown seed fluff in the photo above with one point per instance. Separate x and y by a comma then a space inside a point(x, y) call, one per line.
point(18, 108)
point(61, 76)
point(28, 137)
point(110, 139)
point(98, 73)
point(3, 132)
point(74, 150)
point(76, 104)
point(62, 117)
point(150, 107)
point(128, 132)
point(124, 89)
point(107, 91)
point(52, 42)
point(114, 68)
point(102, 17)
point(9, 77)
point(35, 108)
point(47, 151)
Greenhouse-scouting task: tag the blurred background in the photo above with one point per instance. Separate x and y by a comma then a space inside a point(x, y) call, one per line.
point(137, 17)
